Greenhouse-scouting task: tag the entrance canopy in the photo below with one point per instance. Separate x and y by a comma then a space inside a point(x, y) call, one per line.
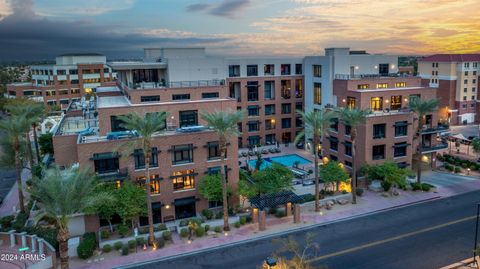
point(274, 199)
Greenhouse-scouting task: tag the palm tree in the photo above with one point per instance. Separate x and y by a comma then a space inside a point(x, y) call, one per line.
point(61, 194)
point(353, 117)
point(224, 123)
point(14, 128)
point(421, 108)
point(146, 126)
point(316, 124)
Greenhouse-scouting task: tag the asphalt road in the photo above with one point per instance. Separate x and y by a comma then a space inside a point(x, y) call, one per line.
point(426, 235)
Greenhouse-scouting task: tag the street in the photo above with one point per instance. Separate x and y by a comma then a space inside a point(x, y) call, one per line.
point(426, 235)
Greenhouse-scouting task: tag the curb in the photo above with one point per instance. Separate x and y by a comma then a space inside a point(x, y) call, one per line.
point(290, 231)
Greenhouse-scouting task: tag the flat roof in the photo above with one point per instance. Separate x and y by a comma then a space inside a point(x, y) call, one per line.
point(108, 89)
point(112, 101)
point(136, 65)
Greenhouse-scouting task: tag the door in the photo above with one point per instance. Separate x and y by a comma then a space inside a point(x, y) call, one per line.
point(185, 208)
point(157, 212)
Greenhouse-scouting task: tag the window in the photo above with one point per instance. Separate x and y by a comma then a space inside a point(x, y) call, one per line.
point(239, 127)
point(466, 65)
point(253, 111)
point(376, 103)
point(400, 85)
point(269, 109)
point(474, 81)
point(464, 98)
point(75, 91)
point(269, 69)
point(299, 88)
point(285, 69)
point(298, 122)
point(269, 124)
point(207, 95)
point(286, 123)
point(154, 183)
point(382, 85)
point(64, 101)
point(363, 86)
point(286, 87)
point(286, 108)
point(252, 70)
point(299, 106)
point(378, 152)
point(253, 126)
point(396, 102)
point(106, 70)
point(473, 97)
point(400, 149)
point(351, 102)
point(433, 73)
point(348, 164)
point(269, 90)
point(348, 129)
point(474, 89)
point(213, 151)
point(412, 97)
point(298, 69)
point(474, 73)
point(334, 124)
point(333, 143)
point(253, 140)
point(379, 131)
point(465, 81)
point(183, 180)
point(401, 128)
point(50, 92)
point(464, 89)
point(234, 70)
point(466, 73)
point(270, 139)
point(62, 92)
point(252, 91)
point(317, 71)
point(185, 96)
point(150, 98)
point(61, 72)
point(73, 72)
point(333, 158)
point(116, 124)
point(139, 158)
point(464, 105)
point(188, 118)
point(74, 81)
point(106, 162)
point(182, 154)
point(348, 148)
point(317, 93)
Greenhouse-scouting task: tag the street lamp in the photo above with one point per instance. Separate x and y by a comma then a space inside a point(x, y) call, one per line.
point(468, 171)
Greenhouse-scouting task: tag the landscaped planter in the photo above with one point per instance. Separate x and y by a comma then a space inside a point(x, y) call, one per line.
point(128, 238)
point(324, 201)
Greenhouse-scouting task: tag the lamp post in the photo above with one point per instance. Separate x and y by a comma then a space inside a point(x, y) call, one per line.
point(476, 234)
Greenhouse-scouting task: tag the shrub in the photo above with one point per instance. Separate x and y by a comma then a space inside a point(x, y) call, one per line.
point(123, 230)
point(184, 232)
point(426, 187)
point(132, 243)
point(386, 185)
point(159, 242)
point(458, 170)
point(416, 186)
point(207, 214)
point(118, 245)
point(107, 248)
point(308, 197)
point(104, 234)
point(237, 224)
point(218, 229)
point(143, 230)
point(359, 191)
point(219, 215)
point(125, 250)
point(167, 235)
point(207, 228)
point(280, 214)
point(448, 167)
point(160, 227)
point(231, 211)
point(140, 241)
point(6, 221)
point(49, 234)
point(20, 221)
point(465, 165)
point(183, 223)
point(200, 231)
point(243, 220)
point(344, 192)
point(87, 246)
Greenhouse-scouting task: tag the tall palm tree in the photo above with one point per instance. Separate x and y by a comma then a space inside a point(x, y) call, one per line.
point(353, 117)
point(14, 129)
point(421, 108)
point(316, 124)
point(61, 194)
point(224, 123)
point(146, 126)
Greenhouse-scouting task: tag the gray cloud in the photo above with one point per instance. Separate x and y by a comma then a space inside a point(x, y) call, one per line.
point(226, 8)
point(26, 36)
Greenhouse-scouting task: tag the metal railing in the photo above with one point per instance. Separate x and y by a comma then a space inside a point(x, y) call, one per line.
point(173, 84)
point(370, 76)
point(436, 147)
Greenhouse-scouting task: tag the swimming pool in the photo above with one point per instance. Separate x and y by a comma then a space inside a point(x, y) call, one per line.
point(286, 160)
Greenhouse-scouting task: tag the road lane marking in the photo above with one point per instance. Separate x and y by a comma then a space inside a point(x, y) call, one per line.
point(376, 243)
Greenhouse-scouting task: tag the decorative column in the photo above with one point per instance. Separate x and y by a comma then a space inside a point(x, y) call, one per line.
point(40, 246)
point(288, 209)
point(12, 238)
point(34, 243)
point(24, 239)
point(255, 215)
point(296, 213)
point(262, 222)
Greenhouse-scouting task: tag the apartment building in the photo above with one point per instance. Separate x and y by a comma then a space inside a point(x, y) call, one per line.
point(269, 91)
point(67, 80)
point(456, 76)
point(389, 133)
point(320, 72)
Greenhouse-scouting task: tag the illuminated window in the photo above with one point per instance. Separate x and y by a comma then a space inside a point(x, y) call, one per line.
point(317, 93)
point(363, 86)
point(183, 180)
point(317, 71)
point(396, 102)
point(376, 103)
point(351, 102)
point(382, 85)
point(400, 84)
point(154, 183)
point(74, 91)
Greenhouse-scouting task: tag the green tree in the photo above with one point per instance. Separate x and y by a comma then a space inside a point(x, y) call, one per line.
point(259, 161)
point(354, 118)
point(108, 208)
point(316, 124)
point(210, 187)
point(224, 124)
point(146, 126)
point(46, 143)
point(389, 172)
point(272, 179)
point(332, 173)
point(61, 194)
point(476, 146)
point(422, 108)
point(130, 201)
point(245, 189)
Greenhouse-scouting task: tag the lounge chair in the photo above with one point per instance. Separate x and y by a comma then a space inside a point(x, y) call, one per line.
point(272, 150)
point(244, 154)
point(277, 150)
point(264, 151)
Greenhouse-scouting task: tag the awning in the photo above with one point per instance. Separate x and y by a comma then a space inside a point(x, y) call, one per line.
point(400, 145)
point(185, 201)
point(104, 156)
point(401, 123)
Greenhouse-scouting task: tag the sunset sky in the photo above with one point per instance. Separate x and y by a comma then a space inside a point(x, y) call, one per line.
point(42, 29)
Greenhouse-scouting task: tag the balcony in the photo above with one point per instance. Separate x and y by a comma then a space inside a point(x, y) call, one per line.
point(174, 84)
point(433, 130)
point(115, 175)
point(433, 148)
point(370, 76)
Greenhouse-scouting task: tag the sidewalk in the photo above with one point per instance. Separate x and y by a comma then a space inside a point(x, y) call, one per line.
point(10, 203)
point(370, 202)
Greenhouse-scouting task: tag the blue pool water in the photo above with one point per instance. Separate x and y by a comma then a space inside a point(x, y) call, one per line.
point(286, 160)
